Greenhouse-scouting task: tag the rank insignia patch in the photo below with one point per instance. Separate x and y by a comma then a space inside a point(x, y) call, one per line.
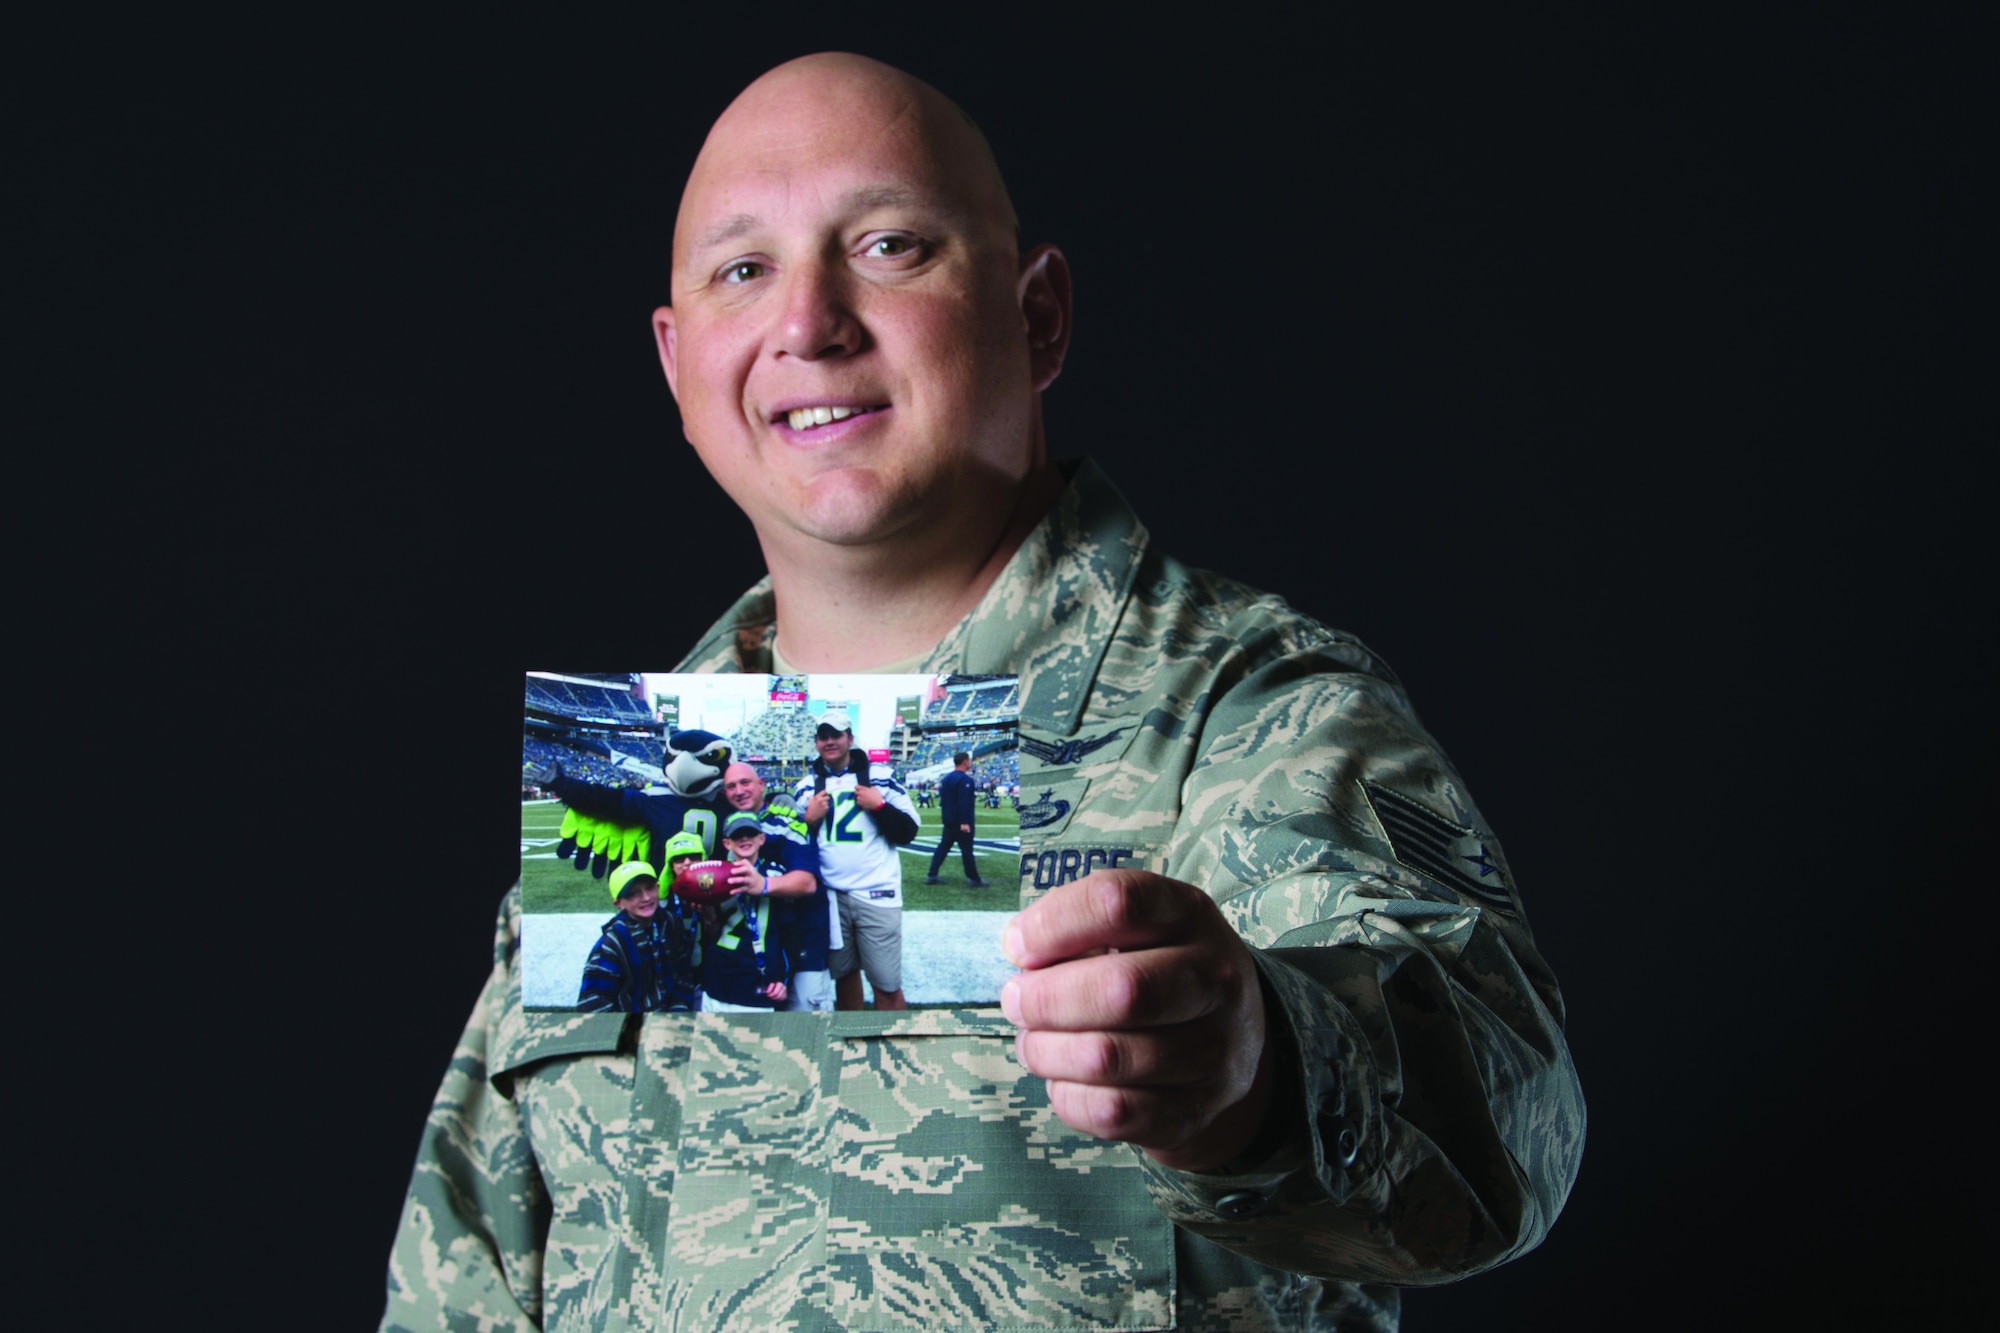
point(1456, 856)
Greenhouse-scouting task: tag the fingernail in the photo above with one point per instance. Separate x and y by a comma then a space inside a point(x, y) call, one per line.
point(1013, 945)
point(1010, 1002)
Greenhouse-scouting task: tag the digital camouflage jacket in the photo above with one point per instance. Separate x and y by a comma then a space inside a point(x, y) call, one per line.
point(901, 1171)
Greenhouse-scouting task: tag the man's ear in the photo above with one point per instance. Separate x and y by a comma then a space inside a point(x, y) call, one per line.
point(1043, 291)
point(663, 334)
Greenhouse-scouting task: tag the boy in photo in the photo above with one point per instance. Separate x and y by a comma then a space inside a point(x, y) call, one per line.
point(746, 967)
point(645, 959)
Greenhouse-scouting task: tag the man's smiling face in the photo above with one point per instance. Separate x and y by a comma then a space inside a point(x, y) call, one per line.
point(847, 342)
point(742, 788)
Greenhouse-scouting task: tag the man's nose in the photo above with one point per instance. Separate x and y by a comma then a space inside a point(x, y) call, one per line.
point(817, 318)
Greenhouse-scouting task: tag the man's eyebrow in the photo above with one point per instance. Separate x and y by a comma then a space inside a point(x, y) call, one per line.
point(728, 229)
point(884, 196)
point(936, 204)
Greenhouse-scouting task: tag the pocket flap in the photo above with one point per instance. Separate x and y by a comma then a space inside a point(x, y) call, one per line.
point(523, 1038)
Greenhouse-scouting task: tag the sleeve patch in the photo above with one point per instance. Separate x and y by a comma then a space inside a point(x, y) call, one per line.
point(1457, 857)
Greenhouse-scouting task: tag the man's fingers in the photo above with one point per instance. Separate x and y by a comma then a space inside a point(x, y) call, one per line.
point(1157, 1120)
point(1146, 988)
point(1142, 1008)
point(1167, 1057)
point(1119, 909)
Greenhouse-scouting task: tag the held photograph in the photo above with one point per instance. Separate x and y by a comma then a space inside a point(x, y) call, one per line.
point(758, 843)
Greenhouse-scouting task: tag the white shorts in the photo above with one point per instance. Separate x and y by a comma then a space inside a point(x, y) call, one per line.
point(810, 990)
point(877, 929)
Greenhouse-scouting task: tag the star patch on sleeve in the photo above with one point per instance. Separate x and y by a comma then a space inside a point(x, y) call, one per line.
point(1452, 854)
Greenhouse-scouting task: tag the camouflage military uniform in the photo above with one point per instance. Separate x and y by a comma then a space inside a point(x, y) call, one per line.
point(900, 1171)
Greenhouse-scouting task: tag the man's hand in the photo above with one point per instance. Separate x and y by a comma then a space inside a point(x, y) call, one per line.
point(869, 799)
point(776, 991)
point(745, 878)
point(1142, 1008)
point(965, 828)
point(816, 807)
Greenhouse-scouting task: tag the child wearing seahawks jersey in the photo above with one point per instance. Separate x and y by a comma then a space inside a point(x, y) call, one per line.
point(745, 966)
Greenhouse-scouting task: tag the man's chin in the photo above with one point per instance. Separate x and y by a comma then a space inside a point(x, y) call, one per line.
point(856, 507)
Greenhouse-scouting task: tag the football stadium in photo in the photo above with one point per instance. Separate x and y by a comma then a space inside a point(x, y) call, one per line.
point(611, 730)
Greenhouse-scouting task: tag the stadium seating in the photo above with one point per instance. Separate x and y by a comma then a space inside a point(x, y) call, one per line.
point(782, 734)
point(577, 763)
point(571, 699)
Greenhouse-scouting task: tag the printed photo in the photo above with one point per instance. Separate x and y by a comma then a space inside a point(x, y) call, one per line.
point(749, 843)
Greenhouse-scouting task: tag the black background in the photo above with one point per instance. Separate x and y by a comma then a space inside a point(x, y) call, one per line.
point(1614, 379)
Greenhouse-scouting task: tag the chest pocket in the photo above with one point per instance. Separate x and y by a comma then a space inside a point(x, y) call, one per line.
point(897, 1172)
point(574, 1094)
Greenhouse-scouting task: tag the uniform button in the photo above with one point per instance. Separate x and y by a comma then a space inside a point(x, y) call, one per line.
point(1243, 1203)
point(1346, 1145)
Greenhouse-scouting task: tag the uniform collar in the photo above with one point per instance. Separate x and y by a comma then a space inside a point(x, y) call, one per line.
point(1048, 618)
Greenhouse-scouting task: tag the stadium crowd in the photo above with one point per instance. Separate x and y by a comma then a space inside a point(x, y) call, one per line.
point(1000, 699)
point(587, 759)
point(571, 699)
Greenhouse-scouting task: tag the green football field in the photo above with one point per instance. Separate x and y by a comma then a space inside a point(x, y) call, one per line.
point(549, 885)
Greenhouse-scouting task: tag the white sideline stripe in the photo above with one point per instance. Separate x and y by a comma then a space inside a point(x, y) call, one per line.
point(948, 957)
point(921, 848)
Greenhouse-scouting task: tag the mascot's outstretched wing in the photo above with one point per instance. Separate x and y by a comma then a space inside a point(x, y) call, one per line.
point(604, 827)
point(588, 842)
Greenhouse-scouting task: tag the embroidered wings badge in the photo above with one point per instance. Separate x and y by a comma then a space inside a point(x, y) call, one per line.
point(1069, 752)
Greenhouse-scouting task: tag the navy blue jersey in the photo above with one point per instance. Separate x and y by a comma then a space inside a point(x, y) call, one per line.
point(955, 798)
point(806, 922)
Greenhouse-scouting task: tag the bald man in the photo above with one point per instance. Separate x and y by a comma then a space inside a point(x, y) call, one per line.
point(1267, 939)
